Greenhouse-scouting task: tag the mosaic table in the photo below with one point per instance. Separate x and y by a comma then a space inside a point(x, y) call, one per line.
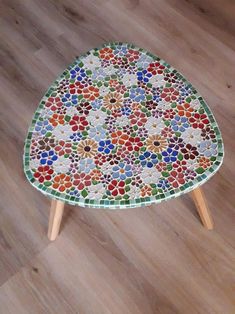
point(121, 128)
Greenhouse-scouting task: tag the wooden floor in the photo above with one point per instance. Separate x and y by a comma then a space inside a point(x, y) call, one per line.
point(157, 259)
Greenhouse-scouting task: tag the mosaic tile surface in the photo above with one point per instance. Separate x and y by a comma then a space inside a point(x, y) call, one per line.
point(121, 128)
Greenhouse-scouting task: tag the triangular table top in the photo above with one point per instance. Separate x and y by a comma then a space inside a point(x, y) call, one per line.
point(121, 128)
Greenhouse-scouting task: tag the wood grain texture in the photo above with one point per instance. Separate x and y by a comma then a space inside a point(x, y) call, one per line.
point(156, 259)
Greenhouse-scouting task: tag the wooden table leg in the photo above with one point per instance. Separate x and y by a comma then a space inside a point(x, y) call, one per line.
point(56, 213)
point(202, 208)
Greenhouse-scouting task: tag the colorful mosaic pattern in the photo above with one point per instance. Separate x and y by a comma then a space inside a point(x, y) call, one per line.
point(121, 128)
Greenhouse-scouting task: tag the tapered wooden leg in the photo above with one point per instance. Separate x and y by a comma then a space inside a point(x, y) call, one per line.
point(202, 208)
point(56, 213)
